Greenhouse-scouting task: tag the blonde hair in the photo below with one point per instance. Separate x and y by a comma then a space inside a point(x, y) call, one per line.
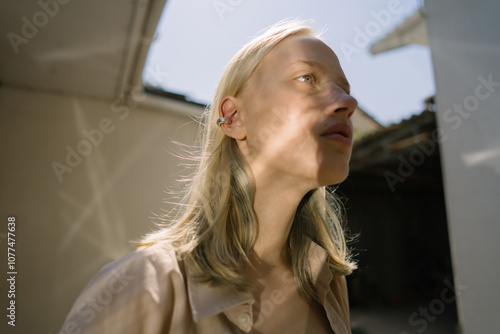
point(216, 228)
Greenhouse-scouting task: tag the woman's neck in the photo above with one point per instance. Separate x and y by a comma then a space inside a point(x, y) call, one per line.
point(275, 205)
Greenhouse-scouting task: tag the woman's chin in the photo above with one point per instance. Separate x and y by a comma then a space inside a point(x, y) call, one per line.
point(335, 176)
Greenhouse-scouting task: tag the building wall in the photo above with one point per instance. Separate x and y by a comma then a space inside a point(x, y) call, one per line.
point(464, 40)
point(68, 227)
point(363, 124)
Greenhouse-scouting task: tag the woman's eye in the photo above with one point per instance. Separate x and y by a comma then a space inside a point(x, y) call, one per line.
point(308, 78)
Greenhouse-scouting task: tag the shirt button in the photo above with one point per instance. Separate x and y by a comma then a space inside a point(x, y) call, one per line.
point(244, 320)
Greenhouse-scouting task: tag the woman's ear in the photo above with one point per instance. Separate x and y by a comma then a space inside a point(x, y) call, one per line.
point(236, 128)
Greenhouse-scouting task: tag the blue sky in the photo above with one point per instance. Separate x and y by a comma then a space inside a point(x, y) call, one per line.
point(196, 38)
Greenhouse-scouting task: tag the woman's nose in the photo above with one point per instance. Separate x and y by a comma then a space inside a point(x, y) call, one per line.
point(341, 102)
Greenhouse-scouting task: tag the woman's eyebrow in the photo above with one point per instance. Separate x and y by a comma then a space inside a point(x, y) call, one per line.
point(313, 64)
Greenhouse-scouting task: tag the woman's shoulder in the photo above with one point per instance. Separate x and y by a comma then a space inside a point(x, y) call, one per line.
point(150, 269)
point(141, 266)
point(137, 283)
point(161, 257)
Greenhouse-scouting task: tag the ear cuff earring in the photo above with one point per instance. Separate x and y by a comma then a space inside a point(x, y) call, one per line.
point(223, 120)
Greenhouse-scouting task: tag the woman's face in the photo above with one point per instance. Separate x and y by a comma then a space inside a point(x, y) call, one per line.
point(296, 109)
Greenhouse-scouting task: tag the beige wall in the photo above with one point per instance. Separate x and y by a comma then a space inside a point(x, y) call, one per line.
point(67, 229)
point(464, 41)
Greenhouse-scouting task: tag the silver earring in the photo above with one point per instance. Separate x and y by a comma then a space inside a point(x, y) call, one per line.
point(223, 120)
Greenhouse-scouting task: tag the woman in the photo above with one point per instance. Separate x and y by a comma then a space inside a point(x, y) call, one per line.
point(258, 247)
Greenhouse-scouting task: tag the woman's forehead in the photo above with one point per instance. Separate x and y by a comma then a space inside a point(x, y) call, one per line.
point(297, 50)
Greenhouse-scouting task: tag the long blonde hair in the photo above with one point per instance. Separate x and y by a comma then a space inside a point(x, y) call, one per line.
point(216, 226)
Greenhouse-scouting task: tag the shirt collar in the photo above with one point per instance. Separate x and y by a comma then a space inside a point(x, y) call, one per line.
point(207, 300)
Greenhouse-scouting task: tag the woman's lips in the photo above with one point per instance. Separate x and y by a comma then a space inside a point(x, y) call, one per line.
point(338, 137)
point(341, 132)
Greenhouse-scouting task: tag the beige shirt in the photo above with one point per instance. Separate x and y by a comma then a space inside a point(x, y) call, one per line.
point(149, 291)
